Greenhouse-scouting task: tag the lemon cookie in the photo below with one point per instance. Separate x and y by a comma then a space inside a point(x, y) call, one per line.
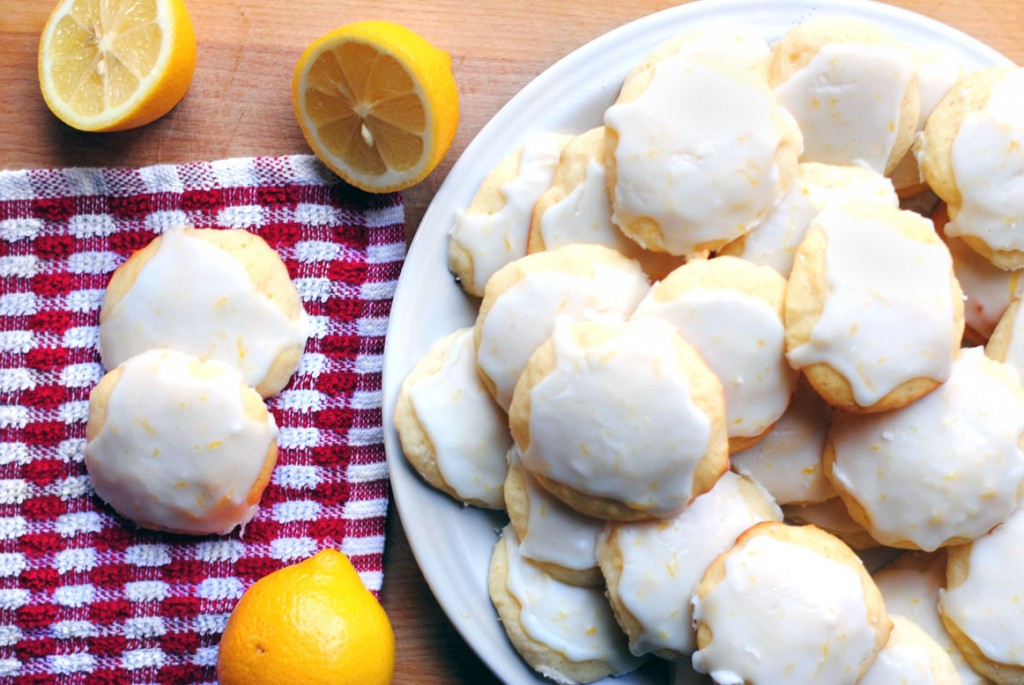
point(576, 209)
point(774, 241)
point(525, 297)
point(178, 444)
point(493, 230)
point(678, 179)
point(910, 585)
point(620, 420)
point(1007, 341)
point(552, 535)
point(731, 312)
point(237, 304)
point(788, 604)
point(874, 314)
point(733, 44)
point(938, 70)
point(787, 461)
point(450, 428)
point(972, 155)
point(988, 290)
point(910, 656)
point(652, 567)
point(852, 88)
point(564, 632)
point(832, 517)
point(940, 471)
point(981, 603)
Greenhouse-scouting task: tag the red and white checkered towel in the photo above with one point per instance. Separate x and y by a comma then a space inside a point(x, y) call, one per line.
point(86, 597)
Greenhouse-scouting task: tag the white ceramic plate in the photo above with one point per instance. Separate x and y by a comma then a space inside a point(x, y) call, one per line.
point(453, 543)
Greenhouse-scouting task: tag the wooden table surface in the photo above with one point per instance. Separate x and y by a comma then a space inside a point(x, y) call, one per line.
point(239, 105)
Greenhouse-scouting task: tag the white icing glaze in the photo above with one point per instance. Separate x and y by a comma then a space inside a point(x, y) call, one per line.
point(830, 515)
point(901, 661)
point(494, 240)
point(737, 45)
point(576, 622)
point(584, 215)
point(988, 164)
point(938, 70)
point(787, 461)
point(216, 312)
point(784, 614)
point(677, 161)
point(663, 561)
point(914, 592)
point(556, 533)
point(774, 242)
point(888, 316)
point(468, 431)
point(522, 317)
point(947, 465)
point(176, 450)
point(617, 420)
point(847, 102)
point(986, 606)
point(742, 340)
point(1015, 345)
point(988, 290)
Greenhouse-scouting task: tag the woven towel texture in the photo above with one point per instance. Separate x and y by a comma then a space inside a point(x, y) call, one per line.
point(86, 597)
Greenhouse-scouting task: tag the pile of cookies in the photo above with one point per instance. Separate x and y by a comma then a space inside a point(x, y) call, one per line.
point(714, 357)
point(196, 330)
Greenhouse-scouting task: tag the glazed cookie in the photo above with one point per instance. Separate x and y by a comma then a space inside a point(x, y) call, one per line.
point(1007, 342)
point(940, 471)
point(525, 297)
point(237, 304)
point(652, 567)
point(494, 228)
point(564, 632)
point(787, 461)
point(970, 154)
point(678, 106)
point(576, 209)
point(620, 420)
point(832, 517)
point(774, 242)
point(555, 537)
point(874, 314)
point(910, 586)
point(178, 444)
point(981, 603)
point(938, 70)
point(731, 312)
point(736, 45)
point(788, 604)
point(852, 88)
point(988, 290)
point(910, 656)
point(451, 430)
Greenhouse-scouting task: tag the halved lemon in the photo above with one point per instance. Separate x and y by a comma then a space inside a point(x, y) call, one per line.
point(377, 103)
point(110, 65)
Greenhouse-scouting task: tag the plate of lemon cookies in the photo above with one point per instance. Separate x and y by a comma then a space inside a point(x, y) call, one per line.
point(647, 329)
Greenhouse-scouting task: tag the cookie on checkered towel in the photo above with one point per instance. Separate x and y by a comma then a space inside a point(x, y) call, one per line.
point(178, 444)
point(214, 294)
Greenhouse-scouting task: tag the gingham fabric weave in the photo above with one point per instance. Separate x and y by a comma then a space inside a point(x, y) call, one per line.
point(86, 597)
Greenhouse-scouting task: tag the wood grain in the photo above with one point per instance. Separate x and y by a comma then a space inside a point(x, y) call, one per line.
point(240, 105)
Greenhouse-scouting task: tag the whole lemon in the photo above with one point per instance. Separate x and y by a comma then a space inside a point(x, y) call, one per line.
point(312, 622)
